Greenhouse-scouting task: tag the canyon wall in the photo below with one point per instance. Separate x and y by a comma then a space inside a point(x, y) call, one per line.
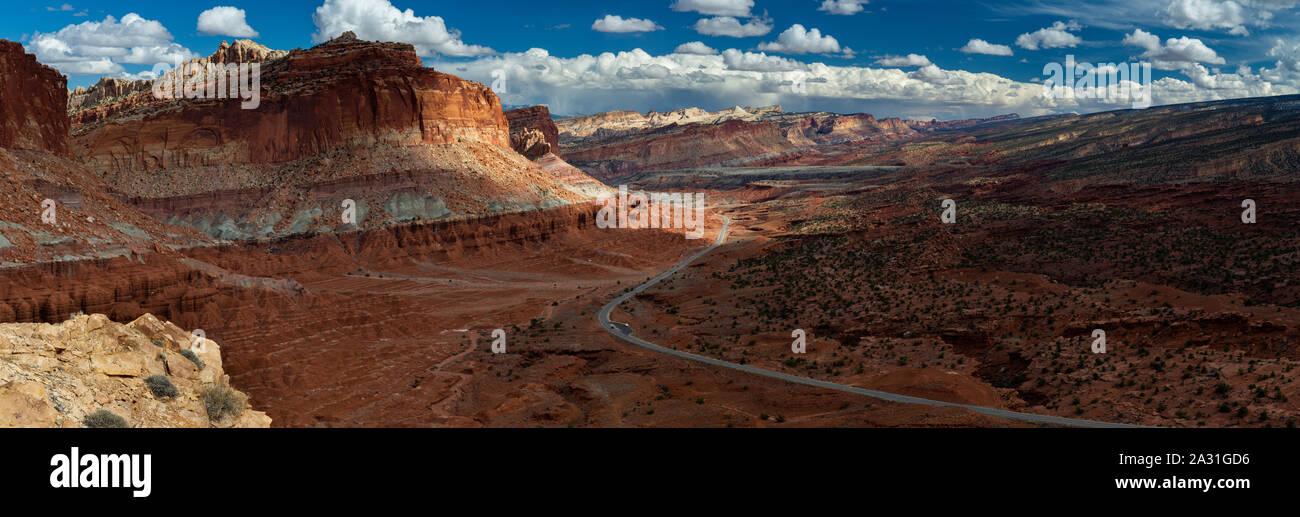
point(33, 115)
point(86, 370)
point(347, 134)
point(341, 95)
point(53, 208)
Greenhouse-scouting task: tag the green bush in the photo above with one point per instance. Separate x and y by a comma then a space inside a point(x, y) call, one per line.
point(161, 386)
point(189, 354)
point(221, 401)
point(104, 419)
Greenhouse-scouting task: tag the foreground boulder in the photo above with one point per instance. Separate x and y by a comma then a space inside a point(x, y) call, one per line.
point(90, 371)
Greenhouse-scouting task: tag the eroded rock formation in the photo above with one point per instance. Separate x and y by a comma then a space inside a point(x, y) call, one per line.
point(532, 131)
point(32, 115)
point(52, 208)
point(60, 375)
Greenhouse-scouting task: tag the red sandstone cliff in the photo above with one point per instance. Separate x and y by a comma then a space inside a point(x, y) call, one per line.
point(32, 115)
point(53, 208)
point(345, 120)
point(340, 95)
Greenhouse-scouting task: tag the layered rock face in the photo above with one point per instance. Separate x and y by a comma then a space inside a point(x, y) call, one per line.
point(32, 116)
point(607, 143)
point(86, 371)
point(532, 131)
point(347, 134)
point(831, 128)
point(107, 90)
point(60, 375)
point(53, 208)
point(618, 142)
point(341, 95)
point(622, 121)
point(733, 142)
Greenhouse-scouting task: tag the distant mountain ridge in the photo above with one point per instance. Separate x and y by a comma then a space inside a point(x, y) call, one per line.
point(617, 142)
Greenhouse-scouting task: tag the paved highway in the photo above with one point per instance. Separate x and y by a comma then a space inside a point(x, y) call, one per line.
point(624, 331)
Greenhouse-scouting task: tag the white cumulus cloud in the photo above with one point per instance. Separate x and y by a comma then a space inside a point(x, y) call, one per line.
point(1207, 14)
point(908, 60)
point(1287, 68)
point(1175, 54)
point(695, 47)
point(758, 62)
point(729, 26)
point(378, 20)
point(842, 7)
point(739, 8)
point(618, 24)
point(798, 40)
point(979, 46)
point(934, 75)
point(640, 81)
point(101, 47)
point(1056, 36)
point(227, 21)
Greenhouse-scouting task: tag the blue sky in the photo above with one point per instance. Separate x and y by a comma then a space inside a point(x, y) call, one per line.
point(913, 58)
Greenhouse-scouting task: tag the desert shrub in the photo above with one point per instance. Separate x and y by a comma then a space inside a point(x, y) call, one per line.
point(161, 386)
point(104, 419)
point(189, 354)
point(222, 401)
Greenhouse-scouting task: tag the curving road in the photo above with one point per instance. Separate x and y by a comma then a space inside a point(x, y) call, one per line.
point(624, 331)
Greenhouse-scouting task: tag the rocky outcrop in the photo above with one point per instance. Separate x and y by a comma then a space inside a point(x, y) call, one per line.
point(107, 90)
point(32, 103)
point(244, 51)
point(142, 372)
point(532, 131)
point(530, 142)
